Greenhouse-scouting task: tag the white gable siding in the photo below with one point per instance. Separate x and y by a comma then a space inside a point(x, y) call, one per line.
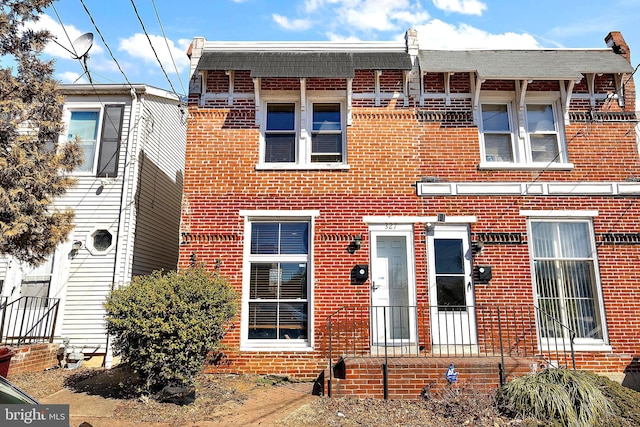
point(140, 207)
point(159, 186)
point(96, 202)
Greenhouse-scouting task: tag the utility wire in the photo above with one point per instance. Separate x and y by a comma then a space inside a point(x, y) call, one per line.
point(168, 48)
point(106, 45)
point(152, 48)
point(65, 30)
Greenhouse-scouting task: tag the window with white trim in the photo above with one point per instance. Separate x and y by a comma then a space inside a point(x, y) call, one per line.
point(533, 137)
point(98, 132)
point(565, 278)
point(277, 290)
point(312, 137)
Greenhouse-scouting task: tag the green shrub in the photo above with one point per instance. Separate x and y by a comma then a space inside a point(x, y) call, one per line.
point(572, 398)
point(165, 324)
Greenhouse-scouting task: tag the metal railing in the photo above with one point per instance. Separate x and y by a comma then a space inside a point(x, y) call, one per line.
point(28, 320)
point(449, 331)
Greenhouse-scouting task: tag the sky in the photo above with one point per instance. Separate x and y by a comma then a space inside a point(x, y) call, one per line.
point(124, 31)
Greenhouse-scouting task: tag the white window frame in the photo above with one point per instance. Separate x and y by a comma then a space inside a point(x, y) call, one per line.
point(580, 344)
point(520, 134)
point(85, 107)
point(298, 345)
point(90, 236)
point(304, 127)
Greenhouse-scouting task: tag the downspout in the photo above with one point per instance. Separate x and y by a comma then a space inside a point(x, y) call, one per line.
point(108, 358)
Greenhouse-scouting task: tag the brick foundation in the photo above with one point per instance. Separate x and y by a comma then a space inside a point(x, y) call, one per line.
point(33, 358)
point(407, 378)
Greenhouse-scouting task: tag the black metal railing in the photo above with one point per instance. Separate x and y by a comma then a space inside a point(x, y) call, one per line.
point(449, 331)
point(28, 320)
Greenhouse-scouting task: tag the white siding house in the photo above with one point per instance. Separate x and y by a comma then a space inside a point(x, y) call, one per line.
point(126, 201)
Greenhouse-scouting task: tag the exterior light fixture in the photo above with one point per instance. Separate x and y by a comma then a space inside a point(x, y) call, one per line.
point(355, 244)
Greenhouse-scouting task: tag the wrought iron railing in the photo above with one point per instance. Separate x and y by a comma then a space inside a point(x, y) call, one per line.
point(28, 320)
point(449, 331)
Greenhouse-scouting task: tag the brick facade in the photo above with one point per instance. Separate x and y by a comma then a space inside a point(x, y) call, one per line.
point(391, 146)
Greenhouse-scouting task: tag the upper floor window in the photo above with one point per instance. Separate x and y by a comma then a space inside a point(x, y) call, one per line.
point(313, 136)
point(532, 138)
point(326, 134)
point(98, 132)
point(280, 134)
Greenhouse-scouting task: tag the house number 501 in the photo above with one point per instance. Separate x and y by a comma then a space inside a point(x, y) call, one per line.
point(390, 226)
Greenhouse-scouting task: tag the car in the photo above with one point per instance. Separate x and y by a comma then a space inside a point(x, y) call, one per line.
point(10, 394)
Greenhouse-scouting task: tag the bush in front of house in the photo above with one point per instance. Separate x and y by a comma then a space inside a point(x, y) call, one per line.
point(562, 396)
point(163, 325)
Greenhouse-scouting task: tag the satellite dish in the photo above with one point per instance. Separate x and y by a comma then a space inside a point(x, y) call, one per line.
point(82, 45)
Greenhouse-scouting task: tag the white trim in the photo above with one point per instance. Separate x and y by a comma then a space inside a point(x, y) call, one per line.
point(303, 101)
point(582, 344)
point(280, 213)
point(296, 46)
point(560, 214)
point(568, 188)
point(88, 242)
point(525, 166)
point(258, 345)
point(417, 219)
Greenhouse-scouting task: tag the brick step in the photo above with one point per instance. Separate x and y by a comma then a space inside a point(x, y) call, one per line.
point(408, 378)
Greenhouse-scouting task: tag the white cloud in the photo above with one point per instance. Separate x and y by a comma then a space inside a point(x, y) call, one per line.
point(467, 7)
point(379, 15)
point(72, 33)
point(137, 46)
point(437, 34)
point(71, 77)
point(339, 38)
point(292, 25)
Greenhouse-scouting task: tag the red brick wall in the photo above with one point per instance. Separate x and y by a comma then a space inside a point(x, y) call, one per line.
point(407, 378)
point(389, 149)
point(33, 358)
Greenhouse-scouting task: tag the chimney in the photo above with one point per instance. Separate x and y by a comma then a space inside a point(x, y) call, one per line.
point(616, 42)
point(411, 39)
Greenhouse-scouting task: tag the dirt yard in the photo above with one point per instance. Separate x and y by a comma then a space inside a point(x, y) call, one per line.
point(232, 400)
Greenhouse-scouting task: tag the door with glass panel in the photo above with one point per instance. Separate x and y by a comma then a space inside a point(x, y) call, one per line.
point(451, 289)
point(566, 285)
point(392, 286)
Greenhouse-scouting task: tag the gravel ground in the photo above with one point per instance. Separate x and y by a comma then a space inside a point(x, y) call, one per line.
point(220, 396)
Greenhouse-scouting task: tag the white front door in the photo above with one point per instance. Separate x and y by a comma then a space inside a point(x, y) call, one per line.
point(392, 285)
point(451, 293)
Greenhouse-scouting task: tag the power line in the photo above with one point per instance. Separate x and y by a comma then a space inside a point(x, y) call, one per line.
point(152, 48)
point(106, 45)
point(168, 48)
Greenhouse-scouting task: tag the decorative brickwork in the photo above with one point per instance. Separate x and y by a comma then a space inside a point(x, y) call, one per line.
point(391, 147)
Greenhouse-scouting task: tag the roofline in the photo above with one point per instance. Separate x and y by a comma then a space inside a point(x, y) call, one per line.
point(541, 49)
point(116, 89)
point(297, 46)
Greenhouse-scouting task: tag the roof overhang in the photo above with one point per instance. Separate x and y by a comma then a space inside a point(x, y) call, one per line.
point(558, 64)
point(303, 64)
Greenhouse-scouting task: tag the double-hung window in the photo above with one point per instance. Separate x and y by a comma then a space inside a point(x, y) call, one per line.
point(565, 279)
point(533, 137)
point(280, 134)
point(98, 132)
point(326, 133)
point(277, 290)
point(311, 137)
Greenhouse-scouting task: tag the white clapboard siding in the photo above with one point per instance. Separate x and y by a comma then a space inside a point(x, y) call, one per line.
point(144, 220)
